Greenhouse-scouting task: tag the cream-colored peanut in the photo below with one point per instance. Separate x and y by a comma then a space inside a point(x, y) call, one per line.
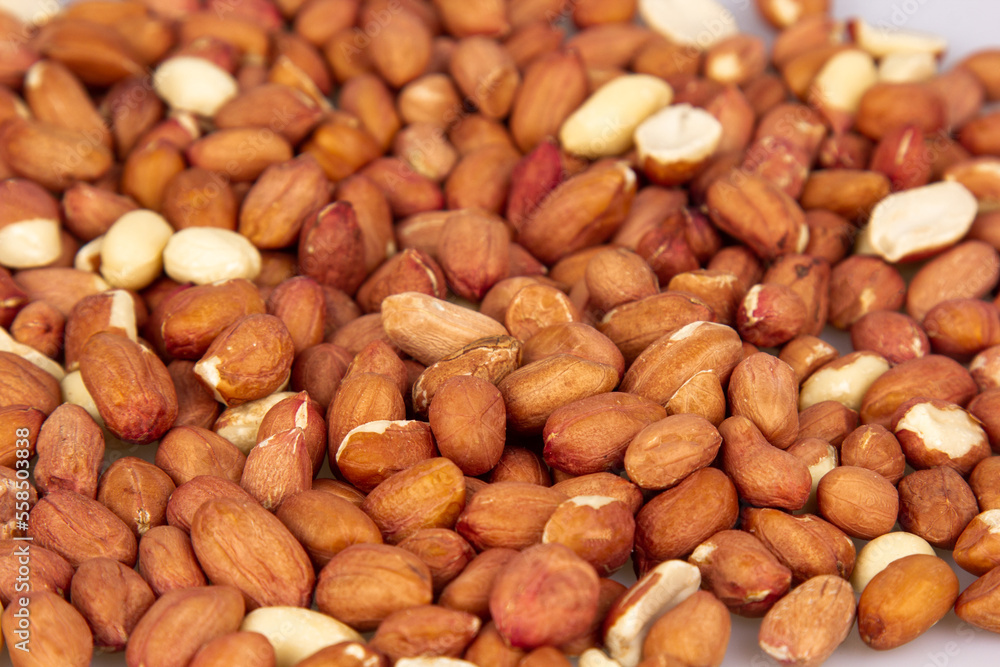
point(844, 79)
point(75, 392)
point(239, 425)
point(204, 255)
point(877, 554)
point(88, 257)
point(29, 243)
point(907, 67)
point(8, 344)
point(194, 84)
point(297, 633)
point(845, 380)
point(660, 590)
point(916, 222)
point(132, 251)
point(699, 23)
point(604, 124)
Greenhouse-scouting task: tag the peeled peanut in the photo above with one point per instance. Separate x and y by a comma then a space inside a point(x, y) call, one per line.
point(132, 250)
point(296, 633)
point(604, 123)
point(29, 243)
point(194, 84)
point(204, 255)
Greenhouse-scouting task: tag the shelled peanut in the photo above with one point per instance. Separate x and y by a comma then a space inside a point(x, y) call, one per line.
point(432, 314)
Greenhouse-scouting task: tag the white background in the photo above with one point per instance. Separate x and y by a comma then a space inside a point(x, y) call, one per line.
point(968, 25)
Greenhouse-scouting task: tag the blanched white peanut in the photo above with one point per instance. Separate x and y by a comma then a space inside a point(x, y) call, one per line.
point(914, 223)
point(239, 425)
point(28, 353)
point(29, 243)
point(204, 255)
point(75, 392)
point(819, 460)
point(884, 549)
point(844, 380)
point(605, 122)
point(660, 590)
point(88, 258)
point(880, 42)
point(34, 12)
point(297, 633)
point(699, 23)
point(678, 138)
point(907, 67)
point(595, 657)
point(132, 251)
point(843, 80)
point(194, 84)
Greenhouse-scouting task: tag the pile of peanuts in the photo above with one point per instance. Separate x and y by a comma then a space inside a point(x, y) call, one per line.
point(388, 332)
